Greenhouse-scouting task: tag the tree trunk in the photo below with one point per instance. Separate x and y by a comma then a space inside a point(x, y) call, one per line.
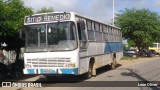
point(17, 53)
point(139, 49)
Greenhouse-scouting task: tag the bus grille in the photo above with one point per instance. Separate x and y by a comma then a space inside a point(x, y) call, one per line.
point(49, 62)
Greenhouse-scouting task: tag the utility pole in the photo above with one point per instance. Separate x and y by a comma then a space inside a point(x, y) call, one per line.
point(113, 13)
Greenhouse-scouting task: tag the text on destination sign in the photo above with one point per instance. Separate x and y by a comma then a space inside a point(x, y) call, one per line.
point(47, 17)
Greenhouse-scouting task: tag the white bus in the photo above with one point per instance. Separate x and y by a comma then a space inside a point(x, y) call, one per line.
point(68, 43)
point(156, 47)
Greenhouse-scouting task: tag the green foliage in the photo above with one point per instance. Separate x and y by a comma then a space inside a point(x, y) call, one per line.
point(11, 22)
point(141, 27)
point(45, 10)
point(131, 43)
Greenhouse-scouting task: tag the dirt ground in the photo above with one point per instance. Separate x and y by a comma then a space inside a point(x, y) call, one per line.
point(127, 62)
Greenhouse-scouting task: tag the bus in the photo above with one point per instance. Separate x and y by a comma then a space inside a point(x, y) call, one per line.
point(156, 48)
point(61, 43)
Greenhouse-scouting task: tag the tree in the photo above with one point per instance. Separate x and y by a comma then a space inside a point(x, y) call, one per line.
point(12, 15)
point(142, 26)
point(45, 10)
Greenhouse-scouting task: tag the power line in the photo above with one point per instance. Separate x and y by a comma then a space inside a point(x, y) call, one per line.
point(113, 12)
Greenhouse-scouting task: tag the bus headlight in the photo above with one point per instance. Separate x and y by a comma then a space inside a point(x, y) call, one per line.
point(71, 65)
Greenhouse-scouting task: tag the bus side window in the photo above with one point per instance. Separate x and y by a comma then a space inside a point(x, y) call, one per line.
point(81, 30)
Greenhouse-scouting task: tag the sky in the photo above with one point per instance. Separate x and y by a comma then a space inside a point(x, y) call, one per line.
point(101, 10)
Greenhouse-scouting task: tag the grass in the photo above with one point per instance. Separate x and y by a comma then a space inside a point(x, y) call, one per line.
point(128, 58)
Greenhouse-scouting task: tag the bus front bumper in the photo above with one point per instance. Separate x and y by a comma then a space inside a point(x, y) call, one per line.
point(73, 71)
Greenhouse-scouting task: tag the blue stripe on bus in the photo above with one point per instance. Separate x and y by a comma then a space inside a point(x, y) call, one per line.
point(47, 71)
point(73, 71)
point(113, 47)
point(70, 71)
point(30, 71)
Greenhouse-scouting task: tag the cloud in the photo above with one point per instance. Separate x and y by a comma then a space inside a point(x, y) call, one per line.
point(100, 10)
point(156, 4)
point(138, 4)
point(89, 8)
point(58, 5)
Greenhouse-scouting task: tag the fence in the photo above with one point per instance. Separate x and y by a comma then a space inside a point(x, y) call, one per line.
point(10, 56)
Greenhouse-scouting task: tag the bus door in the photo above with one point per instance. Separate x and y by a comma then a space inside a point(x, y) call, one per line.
point(83, 42)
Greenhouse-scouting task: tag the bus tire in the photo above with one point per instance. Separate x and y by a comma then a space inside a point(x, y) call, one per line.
point(113, 64)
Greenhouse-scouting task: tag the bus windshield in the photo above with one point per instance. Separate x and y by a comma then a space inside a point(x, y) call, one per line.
point(50, 37)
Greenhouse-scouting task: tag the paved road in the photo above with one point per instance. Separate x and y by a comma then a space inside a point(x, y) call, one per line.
point(109, 79)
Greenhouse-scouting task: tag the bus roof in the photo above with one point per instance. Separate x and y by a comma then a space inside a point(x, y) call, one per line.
point(35, 18)
point(95, 20)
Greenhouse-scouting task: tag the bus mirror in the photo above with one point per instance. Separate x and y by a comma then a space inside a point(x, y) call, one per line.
point(49, 30)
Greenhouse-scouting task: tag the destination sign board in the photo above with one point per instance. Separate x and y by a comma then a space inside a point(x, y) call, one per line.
point(47, 18)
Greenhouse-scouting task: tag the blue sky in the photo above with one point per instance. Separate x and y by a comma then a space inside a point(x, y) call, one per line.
point(100, 10)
